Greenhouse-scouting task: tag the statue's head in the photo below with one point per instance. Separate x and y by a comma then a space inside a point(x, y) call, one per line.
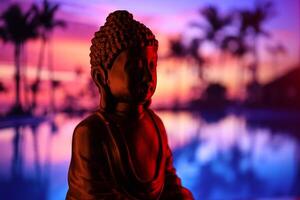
point(123, 59)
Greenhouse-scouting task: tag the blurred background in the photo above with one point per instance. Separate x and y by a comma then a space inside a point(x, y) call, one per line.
point(228, 92)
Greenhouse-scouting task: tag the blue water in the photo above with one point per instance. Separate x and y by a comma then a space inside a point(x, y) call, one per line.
point(225, 157)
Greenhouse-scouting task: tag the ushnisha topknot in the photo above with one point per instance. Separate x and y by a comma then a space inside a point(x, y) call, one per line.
point(120, 32)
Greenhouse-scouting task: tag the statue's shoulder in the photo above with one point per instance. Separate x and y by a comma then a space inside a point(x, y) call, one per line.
point(155, 116)
point(93, 125)
point(88, 137)
point(157, 120)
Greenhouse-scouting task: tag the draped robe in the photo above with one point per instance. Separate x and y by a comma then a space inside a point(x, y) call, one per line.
point(100, 168)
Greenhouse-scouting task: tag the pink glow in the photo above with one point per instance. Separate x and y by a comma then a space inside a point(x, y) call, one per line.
point(71, 45)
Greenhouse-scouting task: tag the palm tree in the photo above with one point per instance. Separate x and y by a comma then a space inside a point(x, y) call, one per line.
point(215, 24)
point(17, 28)
point(177, 48)
point(213, 29)
point(47, 23)
point(196, 56)
point(252, 23)
point(237, 46)
point(190, 52)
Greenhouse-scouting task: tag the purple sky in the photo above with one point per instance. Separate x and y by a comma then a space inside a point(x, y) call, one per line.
point(167, 18)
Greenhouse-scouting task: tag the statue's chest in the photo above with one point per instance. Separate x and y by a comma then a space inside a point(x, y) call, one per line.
point(143, 144)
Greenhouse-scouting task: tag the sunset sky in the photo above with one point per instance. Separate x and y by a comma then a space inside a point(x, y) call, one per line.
point(167, 19)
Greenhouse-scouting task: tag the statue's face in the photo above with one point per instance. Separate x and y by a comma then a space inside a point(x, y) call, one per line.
point(132, 77)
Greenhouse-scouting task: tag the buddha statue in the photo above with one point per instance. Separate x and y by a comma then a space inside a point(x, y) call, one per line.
point(121, 150)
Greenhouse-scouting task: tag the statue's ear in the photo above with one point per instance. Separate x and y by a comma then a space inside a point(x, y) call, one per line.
point(99, 77)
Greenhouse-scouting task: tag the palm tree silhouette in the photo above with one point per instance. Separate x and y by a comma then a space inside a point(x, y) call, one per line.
point(237, 46)
point(215, 24)
point(45, 16)
point(214, 32)
point(189, 52)
point(17, 28)
point(252, 23)
point(196, 56)
point(177, 48)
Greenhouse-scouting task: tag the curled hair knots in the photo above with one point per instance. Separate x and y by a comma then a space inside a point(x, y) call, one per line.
point(119, 15)
point(119, 32)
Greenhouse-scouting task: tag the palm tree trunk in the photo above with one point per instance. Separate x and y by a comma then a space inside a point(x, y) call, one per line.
point(256, 59)
point(51, 77)
point(38, 73)
point(25, 79)
point(17, 75)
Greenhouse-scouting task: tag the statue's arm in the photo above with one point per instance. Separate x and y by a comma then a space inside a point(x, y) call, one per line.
point(88, 177)
point(173, 188)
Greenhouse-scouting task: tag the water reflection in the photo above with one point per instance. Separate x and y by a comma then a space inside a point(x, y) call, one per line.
point(224, 158)
point(22, 182)
point(228, 159)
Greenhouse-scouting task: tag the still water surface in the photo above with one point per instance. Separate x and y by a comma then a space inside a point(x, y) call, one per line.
point(224, 158)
